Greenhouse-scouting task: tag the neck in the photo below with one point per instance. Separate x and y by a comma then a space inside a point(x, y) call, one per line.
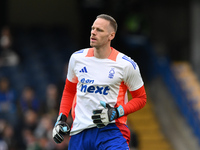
point(102, 52)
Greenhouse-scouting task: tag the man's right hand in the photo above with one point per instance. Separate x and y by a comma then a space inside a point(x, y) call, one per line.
point(60, 129)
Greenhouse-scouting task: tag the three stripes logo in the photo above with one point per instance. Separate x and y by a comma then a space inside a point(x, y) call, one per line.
point(83, 70)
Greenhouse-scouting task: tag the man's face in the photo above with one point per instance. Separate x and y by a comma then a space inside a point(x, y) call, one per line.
point(101, 33)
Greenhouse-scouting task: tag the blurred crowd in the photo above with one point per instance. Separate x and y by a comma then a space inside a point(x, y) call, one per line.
point(26, 121)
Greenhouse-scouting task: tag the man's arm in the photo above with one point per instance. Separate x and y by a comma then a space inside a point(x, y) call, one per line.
point(67, 97)
point(137, 102)
point(61, 128)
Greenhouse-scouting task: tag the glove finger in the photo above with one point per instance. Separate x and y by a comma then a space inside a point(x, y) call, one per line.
point(59, 133)
point(57, 139)
point(100, 125)
point(96, 116)
point(98, 111)
point(97, 121)
point(104, 104)
point(60, 137)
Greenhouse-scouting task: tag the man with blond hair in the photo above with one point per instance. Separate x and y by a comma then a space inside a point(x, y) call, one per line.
point(96, 93)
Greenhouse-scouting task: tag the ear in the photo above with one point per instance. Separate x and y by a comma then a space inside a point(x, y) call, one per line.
point(112, 36)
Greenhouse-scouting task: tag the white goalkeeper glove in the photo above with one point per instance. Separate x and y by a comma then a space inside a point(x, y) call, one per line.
point(102, 117)
point(60, 129)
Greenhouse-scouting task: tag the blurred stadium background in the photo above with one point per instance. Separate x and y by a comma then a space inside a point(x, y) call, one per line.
point(38, 37)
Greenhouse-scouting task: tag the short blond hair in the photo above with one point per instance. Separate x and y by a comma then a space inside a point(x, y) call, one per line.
point(109, 18)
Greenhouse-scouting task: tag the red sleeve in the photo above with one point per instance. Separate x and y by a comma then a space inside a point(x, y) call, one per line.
point(67, 97)
point(137, 102)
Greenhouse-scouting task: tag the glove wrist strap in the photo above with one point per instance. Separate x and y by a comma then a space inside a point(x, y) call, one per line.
point(62, 117)
point(120, 111)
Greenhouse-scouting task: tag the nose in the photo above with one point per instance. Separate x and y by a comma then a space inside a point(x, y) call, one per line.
point(93, 32)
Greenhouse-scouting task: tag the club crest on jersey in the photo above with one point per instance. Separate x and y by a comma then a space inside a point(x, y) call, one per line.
point(111, 73)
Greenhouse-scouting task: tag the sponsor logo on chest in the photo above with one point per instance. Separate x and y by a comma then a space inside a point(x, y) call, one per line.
point(91, 88)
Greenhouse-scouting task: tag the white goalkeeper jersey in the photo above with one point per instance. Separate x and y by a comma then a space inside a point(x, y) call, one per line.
point(100, 80)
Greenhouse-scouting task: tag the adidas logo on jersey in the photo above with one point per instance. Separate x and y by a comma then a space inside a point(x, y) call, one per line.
point(84, 70)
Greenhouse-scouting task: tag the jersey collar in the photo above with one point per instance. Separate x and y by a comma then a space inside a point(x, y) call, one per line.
point(113, 55)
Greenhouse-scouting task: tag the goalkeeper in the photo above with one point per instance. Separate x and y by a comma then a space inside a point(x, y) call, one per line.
point(96, 93)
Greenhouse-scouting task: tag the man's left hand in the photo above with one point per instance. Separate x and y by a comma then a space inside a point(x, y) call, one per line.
point(103, 117)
